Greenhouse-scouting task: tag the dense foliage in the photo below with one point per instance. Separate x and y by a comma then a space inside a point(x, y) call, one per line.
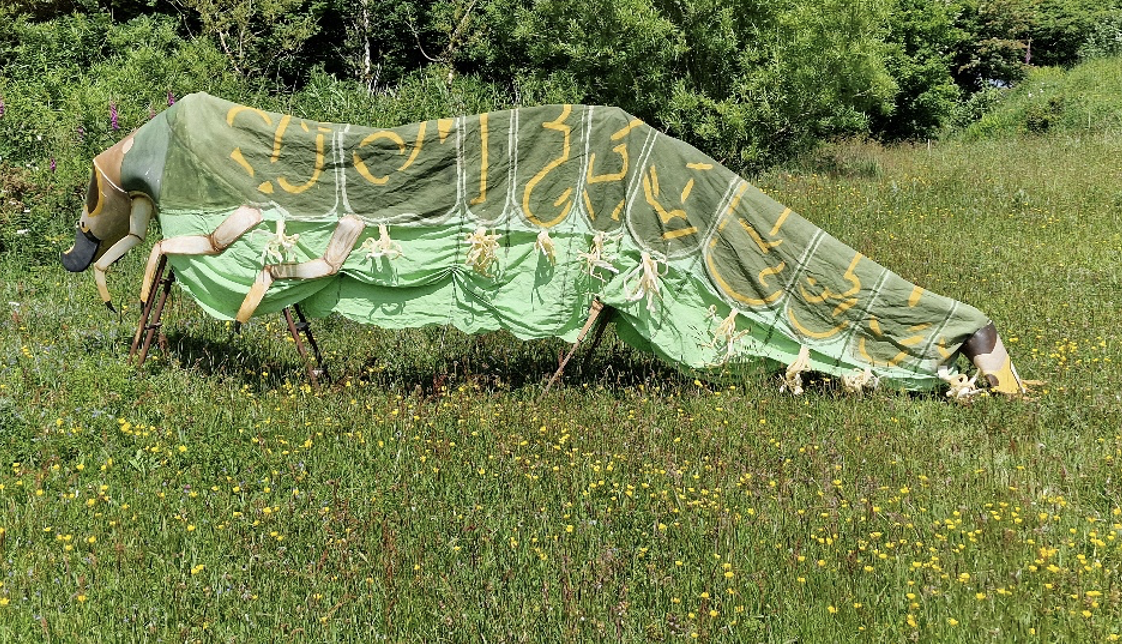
point(752, 83)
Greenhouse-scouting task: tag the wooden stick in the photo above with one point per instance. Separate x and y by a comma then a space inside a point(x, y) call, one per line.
point(593, 313)
point(146, 312)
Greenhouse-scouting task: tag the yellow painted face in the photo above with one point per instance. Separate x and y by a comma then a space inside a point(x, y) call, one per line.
point(105, 216)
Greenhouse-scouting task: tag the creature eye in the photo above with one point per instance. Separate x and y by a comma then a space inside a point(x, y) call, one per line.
point(93, 193)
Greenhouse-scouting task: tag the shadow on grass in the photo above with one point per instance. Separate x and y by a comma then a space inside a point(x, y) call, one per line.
point(258, 362)
point(425, 361)
point(500, 362)
point(432, 361)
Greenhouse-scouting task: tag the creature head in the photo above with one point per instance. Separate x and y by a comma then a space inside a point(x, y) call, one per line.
point(105, 217)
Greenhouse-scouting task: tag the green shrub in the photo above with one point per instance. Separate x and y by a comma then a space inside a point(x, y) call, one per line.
point(1105, 39)
point(1086, 98)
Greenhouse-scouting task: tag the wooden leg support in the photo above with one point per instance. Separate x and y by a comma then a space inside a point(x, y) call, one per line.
point(597, 336)
point(153, 310)
point(303, 327)
point(593, 313)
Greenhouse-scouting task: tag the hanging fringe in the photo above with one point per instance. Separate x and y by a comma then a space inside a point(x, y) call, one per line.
point(544, 245)
point(597, 257)
point(648, 285)
point(483, 252)
point(383, 246)
point(725, 335)
point(793, 379)
point(961, 388)
point(859, 381)
point(279, 247)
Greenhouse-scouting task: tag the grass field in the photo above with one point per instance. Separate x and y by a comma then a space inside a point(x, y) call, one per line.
point(432, 493)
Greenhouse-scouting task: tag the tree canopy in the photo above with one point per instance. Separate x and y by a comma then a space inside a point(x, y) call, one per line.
point(750, 82)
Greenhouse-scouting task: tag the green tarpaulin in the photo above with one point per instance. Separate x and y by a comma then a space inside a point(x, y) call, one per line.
point(574, 202)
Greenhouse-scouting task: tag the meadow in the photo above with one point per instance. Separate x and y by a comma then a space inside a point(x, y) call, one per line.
point(432, 492)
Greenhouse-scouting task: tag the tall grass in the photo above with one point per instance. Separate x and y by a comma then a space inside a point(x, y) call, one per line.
point(432, 492)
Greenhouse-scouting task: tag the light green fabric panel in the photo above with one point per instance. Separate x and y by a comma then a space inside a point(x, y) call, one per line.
point(714, 241)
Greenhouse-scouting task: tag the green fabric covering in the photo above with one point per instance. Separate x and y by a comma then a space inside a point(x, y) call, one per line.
point(575, 171)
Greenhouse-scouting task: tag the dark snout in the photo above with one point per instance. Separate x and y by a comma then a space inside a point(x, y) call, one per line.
point(79, 257)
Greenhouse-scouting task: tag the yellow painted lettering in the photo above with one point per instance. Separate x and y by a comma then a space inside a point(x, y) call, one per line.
point(278, 138)
point(416, 147)
point(557, 125)
point(626, 129)
point(591, 178)
point(732, 206)
point(917, 294)
point(360, 165)
point(237, 156)
point(765, 246)
point(316, 172)
point(621, 150)
point(779, 222)
point(564, 196)
point(686, 191)
point(482, 161)
point(444, 128)
point(817, 335)
point(238, 109)
point(675, 234)
point(891, 362)
point(740, 297)
point(650, 191)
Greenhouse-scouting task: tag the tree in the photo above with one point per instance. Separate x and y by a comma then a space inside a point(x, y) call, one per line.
point(749, 81)
point(258, 36)
point(994, 52)
point(922, 39)
point(1060, 27)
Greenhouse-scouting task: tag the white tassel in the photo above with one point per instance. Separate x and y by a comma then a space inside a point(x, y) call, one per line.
point(793, 379)
point(597, 257)
point(383, 246)
point(725, 335)
point(280, 246)
point(483, 252)
point(648, 284)
point(859, 381)
point(544, 245)
point(961, 388)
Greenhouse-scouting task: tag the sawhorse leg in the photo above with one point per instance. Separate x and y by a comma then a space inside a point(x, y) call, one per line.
point(296, 328)
point(153, 310)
